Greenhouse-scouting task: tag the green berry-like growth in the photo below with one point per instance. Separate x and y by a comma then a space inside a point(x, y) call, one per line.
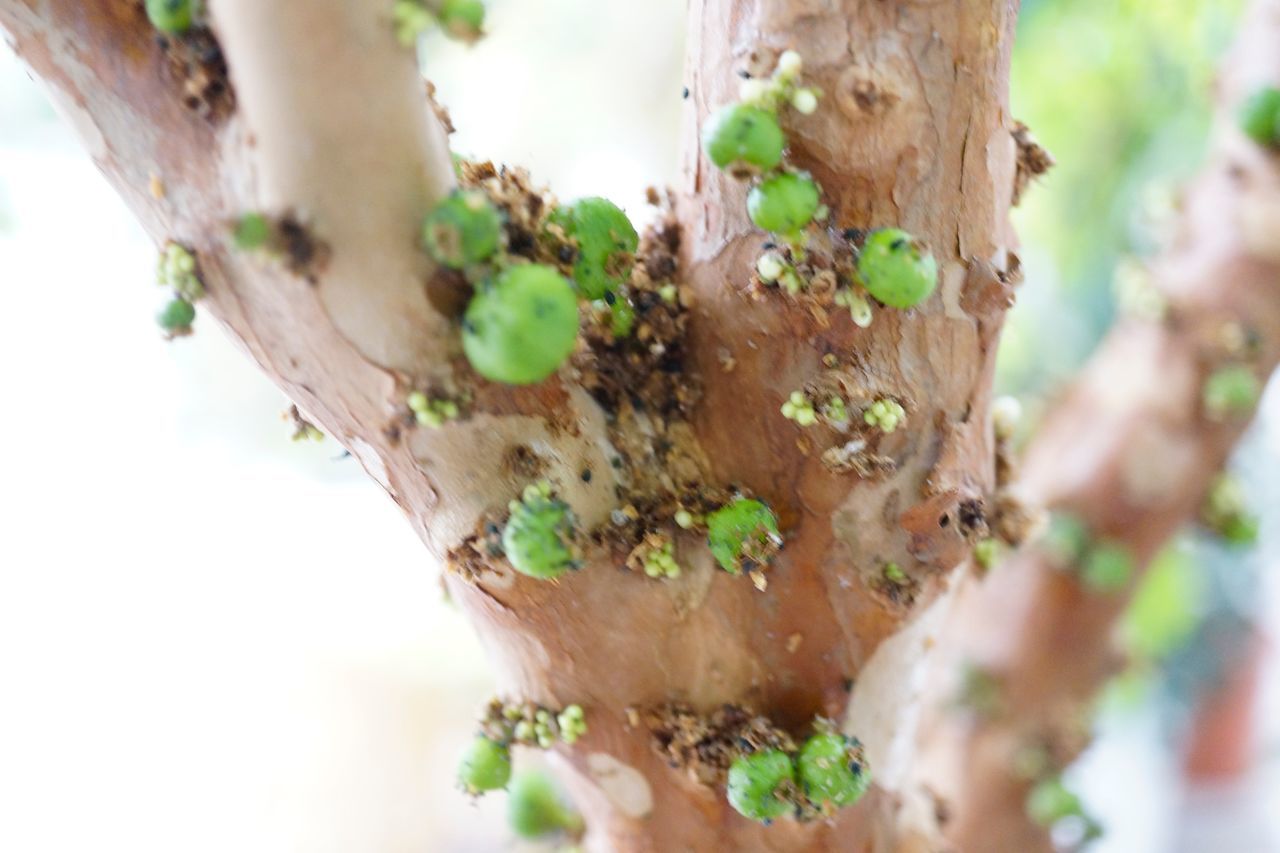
point(486, 766)
point(462, 19)
point(884, 415)
point(1226, 512)
point(464, 229)
point(1050, 801)
point(742, 532)
point(784, 203)
point(744, 138)
point(572, 722)
point(251, 232)
point(535, 809)
point(520, 327)
point(759, 782)
point(1107, 568)
point(538, 538)
point(178, 270)
point(1231, 392)
point(833, 770)
point(173, 16)
point(798, 408)
point(986, 552)
point(429, 412)
point(896, 269)
point(1260, 116)
point(606, 241)
point(177, 316)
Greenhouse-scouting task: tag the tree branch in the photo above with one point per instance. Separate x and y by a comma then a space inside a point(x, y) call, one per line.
point(1130, 450)
point(914, 132)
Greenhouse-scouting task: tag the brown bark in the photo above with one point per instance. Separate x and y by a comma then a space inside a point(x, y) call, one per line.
point(330, 126)
point(1130, 450)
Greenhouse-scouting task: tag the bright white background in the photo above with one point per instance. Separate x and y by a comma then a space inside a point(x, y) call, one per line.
point(213, 639)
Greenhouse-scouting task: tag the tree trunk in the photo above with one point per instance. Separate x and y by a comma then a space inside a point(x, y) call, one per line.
point(323, 120)
point(1131, 450)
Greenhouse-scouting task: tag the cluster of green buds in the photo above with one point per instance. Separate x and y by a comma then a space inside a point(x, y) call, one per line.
point(536, 810)
point(1260, 116)
point(1231, 393)
point(798, 408)
point(486, 765)
point(1050, 803)
point(178, 271)
point(828, 772)
point(522, 321)
point(743, 537)
point(600, 241)
point(655, 556)
point(174, 17)
point(746, 140)
point(431, 412)
point(1102, 565)
point(885, 415)
point(1226, 512)
point(459, 19)
point(539, 536)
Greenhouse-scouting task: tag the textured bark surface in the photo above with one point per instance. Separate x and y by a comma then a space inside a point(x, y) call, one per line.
point(1130, 450)
point(331, 126)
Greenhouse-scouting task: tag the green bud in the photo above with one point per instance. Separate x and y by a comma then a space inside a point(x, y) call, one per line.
point(535, 809)
point(743, 529)
point(173, 16)
point(622, 317)
point(757, 780)
point(462, 19)
point(606, 242)
point(986, 552)
point(783, 204)
point(1260, 116)
point(520, 327)
point(896, 269)
point(1049, 801)
point(1107, 568)
point(251, 232)
point(741, 137)
point(833, 769)
point(539, 535)
point(176, 316)
point(464, 229)
point(1231, 392)
point(486, 766)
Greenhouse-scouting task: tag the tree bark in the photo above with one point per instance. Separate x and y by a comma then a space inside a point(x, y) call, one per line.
point(330, 127)
point(1131, 451)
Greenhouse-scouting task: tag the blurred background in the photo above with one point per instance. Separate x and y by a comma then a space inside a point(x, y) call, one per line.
point(212, 638)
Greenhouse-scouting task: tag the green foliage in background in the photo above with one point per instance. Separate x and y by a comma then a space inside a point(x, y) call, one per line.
point(1166, 606)
point(1119, 92)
